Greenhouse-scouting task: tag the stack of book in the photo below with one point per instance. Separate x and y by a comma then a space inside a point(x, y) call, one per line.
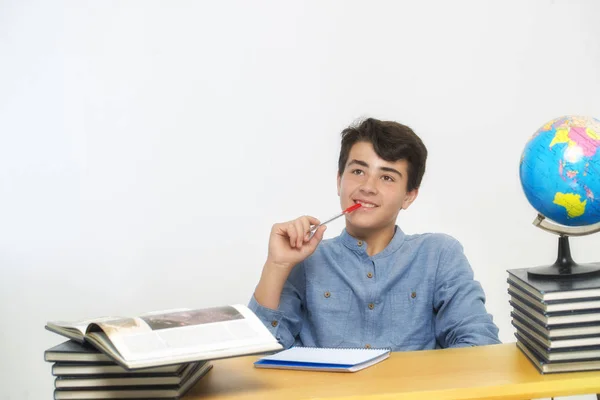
point(156, 355)
point(82, 372)
point(557, 321)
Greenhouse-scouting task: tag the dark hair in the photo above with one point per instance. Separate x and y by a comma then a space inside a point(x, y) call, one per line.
point(391, 141)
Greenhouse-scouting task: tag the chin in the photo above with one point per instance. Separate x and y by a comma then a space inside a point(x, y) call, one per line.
point(362, 225)
point(368, 223)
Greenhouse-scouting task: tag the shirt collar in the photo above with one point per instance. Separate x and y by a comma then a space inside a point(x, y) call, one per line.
point(360, 246)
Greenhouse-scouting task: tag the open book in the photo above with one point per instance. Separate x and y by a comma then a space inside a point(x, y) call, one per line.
point(173, 336)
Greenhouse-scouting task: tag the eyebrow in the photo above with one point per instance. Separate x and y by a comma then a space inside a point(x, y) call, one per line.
point(364, 164)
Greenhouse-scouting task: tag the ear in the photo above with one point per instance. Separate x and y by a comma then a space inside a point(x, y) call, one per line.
point(339, 183)
point(410, 197)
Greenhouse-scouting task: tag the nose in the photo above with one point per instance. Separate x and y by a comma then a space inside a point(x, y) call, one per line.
point(369, 185)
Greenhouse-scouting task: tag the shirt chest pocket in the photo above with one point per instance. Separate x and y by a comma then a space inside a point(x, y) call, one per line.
point(328, 313)
point(411, 323)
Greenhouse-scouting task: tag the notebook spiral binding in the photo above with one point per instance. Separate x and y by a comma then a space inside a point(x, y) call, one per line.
point(342, 348)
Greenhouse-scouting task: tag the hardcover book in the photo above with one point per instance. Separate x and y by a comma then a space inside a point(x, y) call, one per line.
point(72, 351)
point(127, 379)
point(551, 318)
point(559, 343)
point(553, 355)
point(554, 331)
point(172, 337)
point(565, 366)
point(587, 287)
point(79, 368)
point(139, 392)
point(554, 305)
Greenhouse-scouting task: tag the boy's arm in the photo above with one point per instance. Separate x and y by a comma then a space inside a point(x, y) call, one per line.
point(459, 301)
point(284, 322)
point(279, 295)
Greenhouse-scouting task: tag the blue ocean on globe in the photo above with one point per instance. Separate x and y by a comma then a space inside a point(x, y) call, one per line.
point(560, 170)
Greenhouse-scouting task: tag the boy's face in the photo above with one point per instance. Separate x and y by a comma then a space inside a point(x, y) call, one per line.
point(379, 185)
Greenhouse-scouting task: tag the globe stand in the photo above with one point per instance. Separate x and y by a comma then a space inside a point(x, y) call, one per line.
point(564, 267)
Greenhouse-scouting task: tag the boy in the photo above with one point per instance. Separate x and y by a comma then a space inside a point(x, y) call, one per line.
point(372, 286)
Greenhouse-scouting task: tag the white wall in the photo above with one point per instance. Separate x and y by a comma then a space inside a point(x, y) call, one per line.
point(147, 147)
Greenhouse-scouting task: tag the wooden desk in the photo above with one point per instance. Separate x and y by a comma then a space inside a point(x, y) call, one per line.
point(486, 372)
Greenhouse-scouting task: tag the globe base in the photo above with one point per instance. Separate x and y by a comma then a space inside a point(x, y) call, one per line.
point(559, 272)
point(564, 267)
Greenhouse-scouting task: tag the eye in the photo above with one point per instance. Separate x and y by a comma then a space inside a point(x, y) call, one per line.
point(388, 178)
point(357, 172)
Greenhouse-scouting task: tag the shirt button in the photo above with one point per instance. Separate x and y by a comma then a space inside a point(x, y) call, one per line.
point(367, 346)
point(413, 294)
point(370, 275)
point(274, 323)
point(327, 294)
point(371, 306)
point(359, 243)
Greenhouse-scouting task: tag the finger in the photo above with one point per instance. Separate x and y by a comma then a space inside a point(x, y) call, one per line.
point(312, 220)
point(281, 228)
point(308, 235)
point(291, 233)
point(305, 228)
point(300, 231)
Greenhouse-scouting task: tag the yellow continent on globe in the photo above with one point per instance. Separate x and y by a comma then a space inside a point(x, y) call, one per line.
point(572, 203)
point(562, 136)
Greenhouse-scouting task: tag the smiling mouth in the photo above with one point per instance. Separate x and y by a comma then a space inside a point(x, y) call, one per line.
point(365, 204)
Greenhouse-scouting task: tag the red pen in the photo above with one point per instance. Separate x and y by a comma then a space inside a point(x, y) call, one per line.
point(346, 211)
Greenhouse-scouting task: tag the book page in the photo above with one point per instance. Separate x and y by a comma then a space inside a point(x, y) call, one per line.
point(80, 326)
point(185, 331)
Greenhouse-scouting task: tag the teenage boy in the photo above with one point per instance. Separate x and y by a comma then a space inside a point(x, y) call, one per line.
point(372, 286)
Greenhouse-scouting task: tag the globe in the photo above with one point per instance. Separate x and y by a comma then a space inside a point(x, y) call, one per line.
point(560, 170)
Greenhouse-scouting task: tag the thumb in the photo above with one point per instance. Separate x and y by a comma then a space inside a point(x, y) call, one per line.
point(318, 236)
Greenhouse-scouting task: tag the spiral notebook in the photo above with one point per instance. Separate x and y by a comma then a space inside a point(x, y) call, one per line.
point(323, 359)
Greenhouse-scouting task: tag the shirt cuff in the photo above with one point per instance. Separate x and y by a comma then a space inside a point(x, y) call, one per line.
point(270, 318)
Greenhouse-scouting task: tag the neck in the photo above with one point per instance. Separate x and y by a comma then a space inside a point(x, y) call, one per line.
point(376, 239)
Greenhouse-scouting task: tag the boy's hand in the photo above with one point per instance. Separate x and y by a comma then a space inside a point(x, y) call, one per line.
point(289, 242)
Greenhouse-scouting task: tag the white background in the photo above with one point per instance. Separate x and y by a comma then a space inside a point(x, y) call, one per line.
point(147, 147)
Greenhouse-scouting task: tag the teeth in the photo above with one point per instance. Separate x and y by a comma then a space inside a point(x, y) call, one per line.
point(366, 205)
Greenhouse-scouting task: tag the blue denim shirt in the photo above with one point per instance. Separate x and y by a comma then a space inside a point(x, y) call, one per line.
point(418, 293)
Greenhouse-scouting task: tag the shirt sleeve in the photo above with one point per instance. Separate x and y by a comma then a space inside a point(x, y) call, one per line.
point(285, 323)
point(459, 302)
